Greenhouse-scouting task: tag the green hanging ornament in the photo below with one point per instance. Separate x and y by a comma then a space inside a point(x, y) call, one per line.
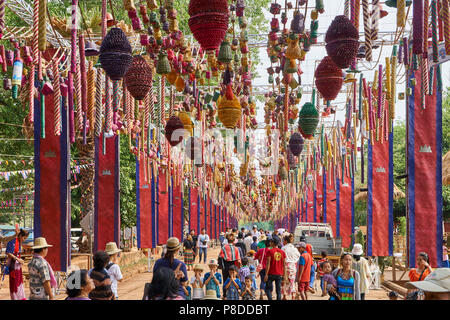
point(308, 120)
point(163, 65)
point(225, 52)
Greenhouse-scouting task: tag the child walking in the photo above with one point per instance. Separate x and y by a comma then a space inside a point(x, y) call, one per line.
point(213, 279)
point(248, 292)
point(244, 270)
point(253, 275)
point(197, 283)
point(232, 285)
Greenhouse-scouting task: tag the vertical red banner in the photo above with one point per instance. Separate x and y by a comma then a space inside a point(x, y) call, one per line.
point(177, 212)
point(163, 206)
point(106, 203)
point(193, 210)
point(345, 212)
point(52, 185)
point(331, 201)
point(425, 201)
point(143, 205)
point(310, 205)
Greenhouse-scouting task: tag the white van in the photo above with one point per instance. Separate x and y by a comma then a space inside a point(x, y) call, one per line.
point(320, 236)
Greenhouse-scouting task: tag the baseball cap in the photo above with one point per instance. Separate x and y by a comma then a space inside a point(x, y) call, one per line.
point(301, 245)
point(437, 281)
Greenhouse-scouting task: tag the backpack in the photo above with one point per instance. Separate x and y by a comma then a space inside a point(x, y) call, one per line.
point(109, 265)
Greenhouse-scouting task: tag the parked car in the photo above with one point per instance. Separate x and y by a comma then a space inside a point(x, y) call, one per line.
point(75, 234)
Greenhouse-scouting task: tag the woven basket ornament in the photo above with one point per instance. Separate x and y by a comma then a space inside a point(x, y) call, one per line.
point(296, 144)
point(225, 52)
point(138, 78)
point(115, 54)
point(163, 65)
point(328, 79)
point(186, 120)
point(308, 120)
point(291, 160)
point(208, 22)
point(229, 111)
point(174, 123)
point(342, 41)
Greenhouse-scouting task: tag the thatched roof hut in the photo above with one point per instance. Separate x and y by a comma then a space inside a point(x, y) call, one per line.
point(398, 194)
point(446, 169)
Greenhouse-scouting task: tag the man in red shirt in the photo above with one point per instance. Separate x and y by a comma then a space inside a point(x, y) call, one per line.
point(275, 269)
point(262, 256)
point(304, 271)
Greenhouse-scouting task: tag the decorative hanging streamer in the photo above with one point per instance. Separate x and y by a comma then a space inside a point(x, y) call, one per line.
point(401, 4)
point(375, 18)
point(108, 111)
point(52, 217)
point(434, 32)
point(367, 30)
point(347, 8)
point(425, 26)
point(42, 38)
point(446, 21)
point(35, 43)
point(418, 27)
point(172, 101)
point(425, 167)
point(380, 90)
point(78, 109)
point(115, 100)
point(31, 92)
point(91, 95)
point(98, 103)
point(162, 103)
point(193, 209)
point(393, 84)
point(424, 80)
point(56, 99)
point(330, 210)
point(73, 57)
point(107, 195)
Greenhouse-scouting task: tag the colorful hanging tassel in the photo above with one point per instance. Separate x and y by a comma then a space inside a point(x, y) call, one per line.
point(375, 18)
point(91, 95)
point(98, 103)
point(56, 99)
point(401, 4)
point(434, 19)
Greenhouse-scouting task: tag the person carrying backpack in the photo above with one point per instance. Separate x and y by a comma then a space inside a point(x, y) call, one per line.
point(112, 267)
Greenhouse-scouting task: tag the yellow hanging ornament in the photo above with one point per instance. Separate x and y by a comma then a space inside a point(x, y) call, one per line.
point(179, 84)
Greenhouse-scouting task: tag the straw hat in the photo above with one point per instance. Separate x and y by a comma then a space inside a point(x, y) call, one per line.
point(173, 244)
point(111, 248)
point(210, 295)
point(40, 243)
point(198, 267)
point(262, 237)
point(437, 281)
point(213, 262)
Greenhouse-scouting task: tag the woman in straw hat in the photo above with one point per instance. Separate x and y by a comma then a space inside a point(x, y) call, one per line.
point(169, 261)
point(42, 278)
point(112, 267)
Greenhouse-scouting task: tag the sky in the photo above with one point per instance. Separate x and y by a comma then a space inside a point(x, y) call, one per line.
point(387, 26)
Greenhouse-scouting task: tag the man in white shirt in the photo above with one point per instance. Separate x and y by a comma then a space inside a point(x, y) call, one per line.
point(112, 267)
point(255, 232)
point(202, 245)
point(248, 240)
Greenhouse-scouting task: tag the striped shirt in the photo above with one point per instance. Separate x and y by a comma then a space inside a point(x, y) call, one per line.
point(230, 253)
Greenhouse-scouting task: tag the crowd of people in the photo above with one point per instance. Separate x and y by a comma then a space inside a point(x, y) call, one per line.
point(246, 257)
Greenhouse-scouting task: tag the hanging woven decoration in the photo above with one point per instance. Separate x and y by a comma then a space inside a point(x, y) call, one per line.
point(225, 53)
point(328, 79)
point(308, 120)
point(115, 54)
point(174, 123)
point(208, 22)
point(186, 120)
point(163, 64)
point(138, 78)
point(296, 144)
point(229, 111)
point(342, 41)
